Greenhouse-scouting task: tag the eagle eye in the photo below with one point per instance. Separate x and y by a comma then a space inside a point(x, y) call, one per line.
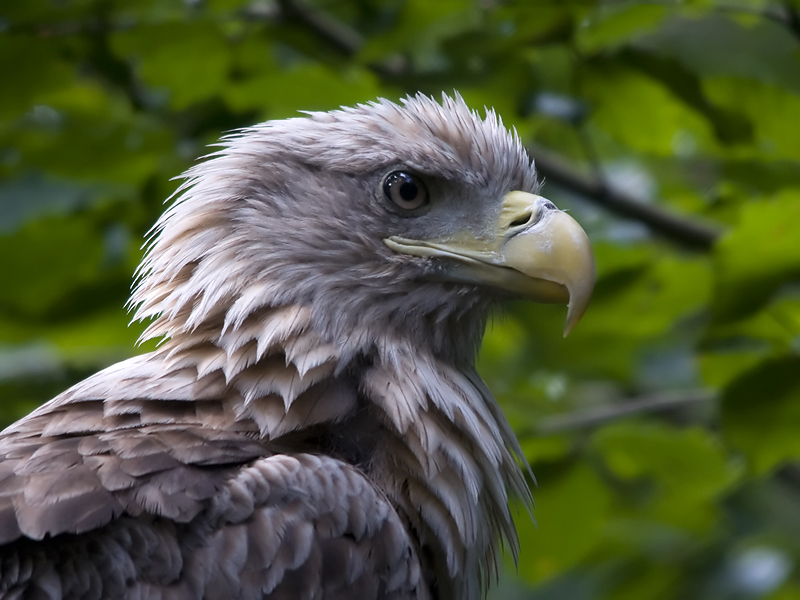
point(405, 190)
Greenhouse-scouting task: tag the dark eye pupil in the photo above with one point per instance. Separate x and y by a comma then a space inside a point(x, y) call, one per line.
point(408, 190)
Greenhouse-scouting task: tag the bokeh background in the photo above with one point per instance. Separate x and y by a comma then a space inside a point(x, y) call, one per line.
point(665, 430)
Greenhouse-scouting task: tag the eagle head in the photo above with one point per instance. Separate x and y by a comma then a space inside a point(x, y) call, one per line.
point(409, 220)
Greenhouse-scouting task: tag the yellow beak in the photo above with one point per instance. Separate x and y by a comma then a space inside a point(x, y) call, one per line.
point(537, 252)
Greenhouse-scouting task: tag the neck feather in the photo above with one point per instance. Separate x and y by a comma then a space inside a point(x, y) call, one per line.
point(448, 459)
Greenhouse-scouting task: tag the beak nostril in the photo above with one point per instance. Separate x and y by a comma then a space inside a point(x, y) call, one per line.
point(521, 219)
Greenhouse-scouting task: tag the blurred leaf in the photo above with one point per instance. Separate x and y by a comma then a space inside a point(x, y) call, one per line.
point(612, 25)
point(718, 46)
point(631, 307)
point(314, 87)
point(730, 126)
point(545, 449)
point(768, 107)
point(29, 68)
point(82, 132)
point(188, 59)
point(789, 591)
point(532, 22)
point(654, 582)
point(33, 197)
point(761, 413)
point(755, 259)
point(719, 368)
point(419, 31)
point(689, 464)
point(570, 512)
point(45, 261)
point(153, 11)
point(642, 114)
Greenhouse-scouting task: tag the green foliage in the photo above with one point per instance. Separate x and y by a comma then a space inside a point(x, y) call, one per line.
point(688, 106)
point(748, 271)
point(761, 413)
point(576, 501)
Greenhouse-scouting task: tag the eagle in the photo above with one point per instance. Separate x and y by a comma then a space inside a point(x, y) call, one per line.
point(312, 424)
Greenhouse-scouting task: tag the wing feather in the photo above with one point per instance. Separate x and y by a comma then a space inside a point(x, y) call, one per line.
point(149, 498)
point(281, 528)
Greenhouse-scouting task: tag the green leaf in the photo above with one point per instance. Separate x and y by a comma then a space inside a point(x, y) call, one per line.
point(189, 60)
point(419, 31)
point(719, 368)
point(729, 126)
point(29, 67)
point(761, 413)
point(570, 512)
point(313, 87)
point(45, 261)
point(789, 591)
point(769, 108)
point(650, 581)
point(42, 196)
point(630, 307)
point(716, 46)
point(758, 256)
point(613, 25)
point(545, 449)
point(689, 464)
point(643, 115)
point(86, 133)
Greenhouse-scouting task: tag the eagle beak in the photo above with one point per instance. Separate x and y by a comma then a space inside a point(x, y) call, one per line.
point(535, 251)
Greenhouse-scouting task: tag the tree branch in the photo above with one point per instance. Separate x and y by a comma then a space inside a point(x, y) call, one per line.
point(791, 18)
point(674, 227)
point(598, 416)
point(339, 35)
point(783, 14)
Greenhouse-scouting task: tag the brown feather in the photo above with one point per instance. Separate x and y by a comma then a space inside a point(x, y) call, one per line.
point(312, 425)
